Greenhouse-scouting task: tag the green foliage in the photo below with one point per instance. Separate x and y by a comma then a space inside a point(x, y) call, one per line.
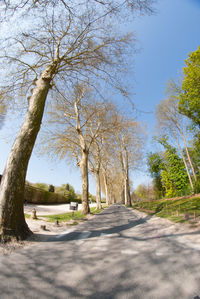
point(189, 104)
point(68, 191)
point(42, 186)
point(155, 164)
point(40, 196)
point(51, 188)
point(67, 187)
point(173, 175)
point(145, 192)
point(92, 197)
point(168, 171)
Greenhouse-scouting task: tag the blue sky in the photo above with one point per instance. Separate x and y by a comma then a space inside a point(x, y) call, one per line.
point(165, 39)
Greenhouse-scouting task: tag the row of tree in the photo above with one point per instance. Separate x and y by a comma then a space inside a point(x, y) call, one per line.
point(53, 46)
point(99, 138)
point(176, 170)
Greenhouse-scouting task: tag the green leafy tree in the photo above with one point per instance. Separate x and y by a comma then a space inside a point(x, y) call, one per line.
point(145, 191)
point(189, 104)
point(42, 186)
point(195, 156)
point(51, 188)
point(155, 164)
point(173, 174)
point(67, 190)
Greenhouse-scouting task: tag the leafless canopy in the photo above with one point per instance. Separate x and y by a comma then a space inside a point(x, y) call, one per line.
point(82, 38)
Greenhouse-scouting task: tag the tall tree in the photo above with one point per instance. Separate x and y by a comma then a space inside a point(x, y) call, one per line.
point(78, 122)
point(129, 143)
point(51, 43)
point(155, 164)
point(101, 152)
point(173, 173)
point(171, 121)
point(189, 104)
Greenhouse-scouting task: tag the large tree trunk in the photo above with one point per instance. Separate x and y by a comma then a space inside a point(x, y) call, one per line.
point(98, 189)
point(12, 221)
point(127, 193)
point(127, 186)
point(85, 182)
point(106, 188)
point(122, 196)
point(110, 198)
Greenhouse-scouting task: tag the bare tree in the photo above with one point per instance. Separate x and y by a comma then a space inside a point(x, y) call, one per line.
point(101, 145)
point(78, 124)
point(52, 43)
point(3, 110)
point(94, 166)
point(129, 144)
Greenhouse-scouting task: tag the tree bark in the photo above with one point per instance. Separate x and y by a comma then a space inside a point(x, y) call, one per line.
point(123, 196)
point(127, 193)
point(85, 182)
point(106, 188)
point(189, 159)
point(12, 221)
point(98, 190)
point(126, 183)
point(110, 198)
point(186, 166)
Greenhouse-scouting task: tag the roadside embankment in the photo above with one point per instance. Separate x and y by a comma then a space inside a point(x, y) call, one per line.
point(185, 209)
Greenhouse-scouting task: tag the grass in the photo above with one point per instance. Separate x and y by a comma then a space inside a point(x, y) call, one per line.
point(180, 210)
point(27, 216)
point(68, 216)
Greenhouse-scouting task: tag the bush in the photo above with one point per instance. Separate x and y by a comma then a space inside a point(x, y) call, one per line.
point(51, 188)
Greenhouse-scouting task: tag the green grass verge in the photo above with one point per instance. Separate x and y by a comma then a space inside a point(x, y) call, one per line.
point(180, 210)
point(68, 216)
point(27, 216)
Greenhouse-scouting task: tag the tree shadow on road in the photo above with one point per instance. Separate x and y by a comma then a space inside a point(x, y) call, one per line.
point(94, 228)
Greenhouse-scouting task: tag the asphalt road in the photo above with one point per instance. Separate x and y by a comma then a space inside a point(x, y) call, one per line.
point(117, 254)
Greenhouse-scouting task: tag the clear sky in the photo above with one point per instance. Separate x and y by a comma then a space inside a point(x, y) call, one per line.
point(165, 39)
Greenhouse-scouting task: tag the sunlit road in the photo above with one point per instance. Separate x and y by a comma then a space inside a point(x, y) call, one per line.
point(116, 254)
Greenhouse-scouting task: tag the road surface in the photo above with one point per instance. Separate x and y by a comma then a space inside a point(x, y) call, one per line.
point(117, 254)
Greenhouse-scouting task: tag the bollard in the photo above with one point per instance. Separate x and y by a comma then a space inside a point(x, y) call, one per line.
point(33, 214)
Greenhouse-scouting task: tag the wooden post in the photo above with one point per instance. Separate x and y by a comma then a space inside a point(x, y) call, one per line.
point(43, 227)
point(33, 214)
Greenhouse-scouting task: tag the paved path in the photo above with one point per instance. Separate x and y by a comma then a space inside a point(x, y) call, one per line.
point(117, 254)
